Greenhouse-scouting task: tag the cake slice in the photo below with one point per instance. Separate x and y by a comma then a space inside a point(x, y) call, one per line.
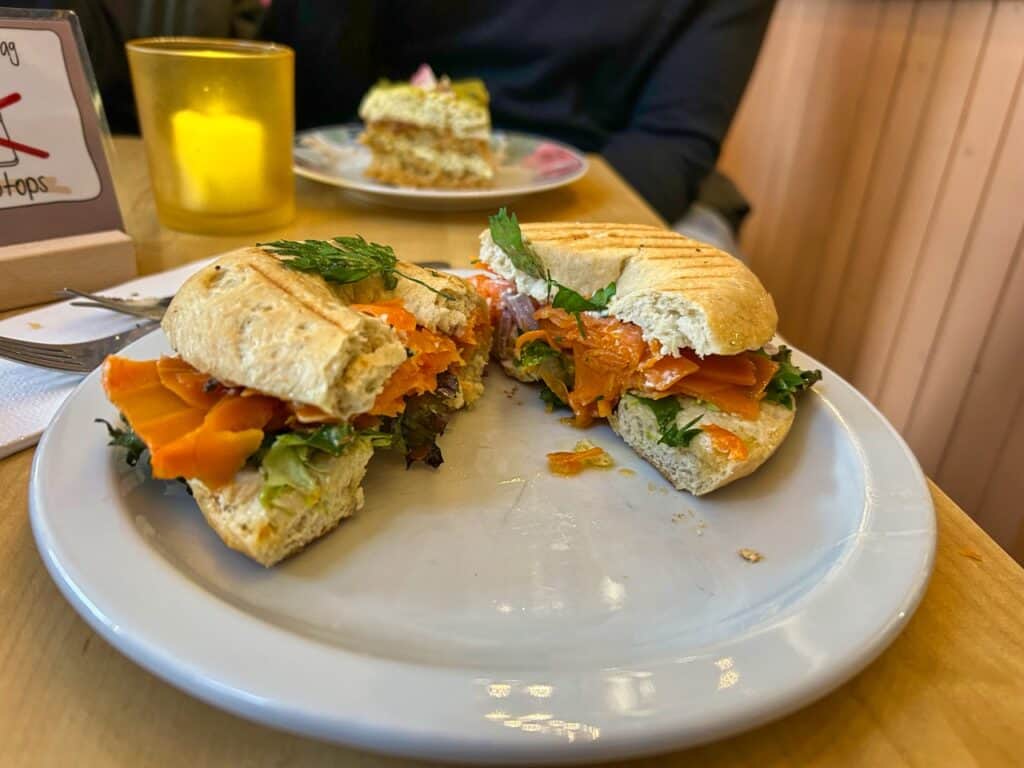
point(429, 132)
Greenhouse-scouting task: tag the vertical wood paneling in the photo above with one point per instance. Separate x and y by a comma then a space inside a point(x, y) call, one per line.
point(982, 271)
point(982, 419)
point(958, 210)
point(827, 128)
point(802, 46)
point(1006, 485)
point(888, 182)
point(941, 127)
point(882, 72)
point(782, 36)
point(882, 145)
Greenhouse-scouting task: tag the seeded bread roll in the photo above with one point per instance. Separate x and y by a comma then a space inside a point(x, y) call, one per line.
point(247, 320)
point(679, 291)
point(699, 468)
point(268, 534)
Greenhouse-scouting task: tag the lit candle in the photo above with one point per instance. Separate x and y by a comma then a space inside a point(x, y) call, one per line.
point(220, 161)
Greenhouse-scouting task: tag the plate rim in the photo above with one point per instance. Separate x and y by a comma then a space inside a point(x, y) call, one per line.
point(375, 733)
point(422, 195)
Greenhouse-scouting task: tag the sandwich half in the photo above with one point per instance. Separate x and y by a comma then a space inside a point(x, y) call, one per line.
point(662, 335)
point(429, 132)
point(294, 362)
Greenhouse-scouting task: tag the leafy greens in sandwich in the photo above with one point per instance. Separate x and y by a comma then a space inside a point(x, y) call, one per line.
point(294, 363)
point(663, 336)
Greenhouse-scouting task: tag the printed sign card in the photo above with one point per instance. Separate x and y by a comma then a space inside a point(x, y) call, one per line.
point(55, 183)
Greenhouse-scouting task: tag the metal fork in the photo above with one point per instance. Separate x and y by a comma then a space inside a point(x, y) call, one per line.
point(71, 358)
point(150, 309)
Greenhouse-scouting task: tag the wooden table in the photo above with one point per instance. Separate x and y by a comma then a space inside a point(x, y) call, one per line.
point(949, 691)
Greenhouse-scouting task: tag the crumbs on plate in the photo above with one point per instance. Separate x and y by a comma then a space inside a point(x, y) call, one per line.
point(750, 555)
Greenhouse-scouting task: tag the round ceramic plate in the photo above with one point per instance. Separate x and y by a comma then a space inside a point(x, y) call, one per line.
point(526, 165)
point(490, 611)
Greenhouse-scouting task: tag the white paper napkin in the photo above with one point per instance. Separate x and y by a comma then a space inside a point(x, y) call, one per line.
point(29, 397)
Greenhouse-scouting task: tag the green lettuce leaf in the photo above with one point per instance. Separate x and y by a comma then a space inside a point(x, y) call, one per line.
point(290, 460)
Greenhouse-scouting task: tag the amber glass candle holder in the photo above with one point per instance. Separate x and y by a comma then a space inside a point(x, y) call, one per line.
point(218, 121)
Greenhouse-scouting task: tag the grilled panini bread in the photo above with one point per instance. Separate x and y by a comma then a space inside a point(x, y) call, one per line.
point(248, 320)
point(681, 292)
point(243, 319)
point(268, 358)
point(686, 300)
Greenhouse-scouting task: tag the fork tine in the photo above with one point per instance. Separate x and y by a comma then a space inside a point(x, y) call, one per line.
point(80, 357)
point(59, 364)
point(149, 309)
point(28, 354)
point(35, 346)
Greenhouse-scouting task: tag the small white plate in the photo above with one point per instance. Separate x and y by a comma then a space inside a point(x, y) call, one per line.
point(527, 165)
point(490, 611)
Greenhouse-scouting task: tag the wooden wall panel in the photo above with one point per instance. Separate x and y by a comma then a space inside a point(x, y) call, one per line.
point(982, 270)
point(899, 143)
point(961, 202)
point(881, 70)
point(939, 133)
point(882, 146)
point(981, 429)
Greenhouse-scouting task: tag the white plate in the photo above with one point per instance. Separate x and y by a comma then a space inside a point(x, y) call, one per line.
point(489, 611)
point(334, 156)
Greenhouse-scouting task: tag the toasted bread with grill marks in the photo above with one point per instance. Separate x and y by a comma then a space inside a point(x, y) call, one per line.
point(680, 291)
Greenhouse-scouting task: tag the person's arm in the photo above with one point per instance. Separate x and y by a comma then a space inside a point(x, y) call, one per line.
point(673, 138)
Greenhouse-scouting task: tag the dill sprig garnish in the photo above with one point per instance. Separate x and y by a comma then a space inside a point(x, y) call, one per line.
point(345, 260)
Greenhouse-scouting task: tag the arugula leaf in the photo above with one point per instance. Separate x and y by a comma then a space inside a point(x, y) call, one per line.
point(534, 353)
point(788, 380)
point(125, 438)
point(345, 260)
point(573, 302)
point(508, 236)
point(551, 400)
point(665, 411)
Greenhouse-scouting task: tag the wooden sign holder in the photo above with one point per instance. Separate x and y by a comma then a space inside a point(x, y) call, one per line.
point(60, 224)
point(33, 272)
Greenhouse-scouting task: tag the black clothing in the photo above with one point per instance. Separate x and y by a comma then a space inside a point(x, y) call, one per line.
point(651, 84)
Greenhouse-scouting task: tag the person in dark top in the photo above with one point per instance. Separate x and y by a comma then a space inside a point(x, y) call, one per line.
point(650, 84)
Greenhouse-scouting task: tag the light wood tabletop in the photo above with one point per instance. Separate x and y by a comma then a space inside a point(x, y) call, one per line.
point(949, 691)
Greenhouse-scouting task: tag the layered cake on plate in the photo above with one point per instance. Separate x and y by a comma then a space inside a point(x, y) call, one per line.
point(429, 132)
